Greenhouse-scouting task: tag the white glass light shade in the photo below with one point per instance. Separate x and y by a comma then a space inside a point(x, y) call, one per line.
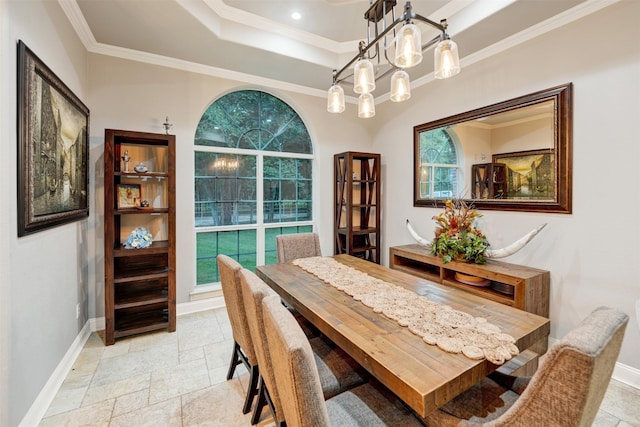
point(366, 106)
point(447, 63)
point(408, 46)
point(363, 78)
point(400, 86)
point(335, 99)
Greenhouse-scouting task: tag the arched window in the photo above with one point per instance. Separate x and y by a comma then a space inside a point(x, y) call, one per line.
point(253, 180)
point(438, 165)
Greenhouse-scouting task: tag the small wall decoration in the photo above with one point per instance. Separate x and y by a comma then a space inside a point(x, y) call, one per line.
point(128, 195)
point(530, 174)
point(53, 150)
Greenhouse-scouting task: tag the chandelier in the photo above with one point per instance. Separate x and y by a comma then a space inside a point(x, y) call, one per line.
point(401, 44)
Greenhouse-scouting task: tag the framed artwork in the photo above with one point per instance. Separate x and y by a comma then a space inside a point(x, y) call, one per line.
point(530, 174)
point(128, 195)
point(53, 148)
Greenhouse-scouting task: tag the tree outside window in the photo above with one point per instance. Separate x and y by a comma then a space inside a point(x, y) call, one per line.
point(438, 165)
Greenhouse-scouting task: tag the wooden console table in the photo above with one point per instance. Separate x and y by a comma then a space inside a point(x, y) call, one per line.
point(521, 287)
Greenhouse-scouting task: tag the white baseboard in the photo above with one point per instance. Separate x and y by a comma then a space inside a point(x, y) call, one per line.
point(627, 374)
point(39, 407)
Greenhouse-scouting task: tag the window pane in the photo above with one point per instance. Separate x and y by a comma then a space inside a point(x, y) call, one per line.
point(437, 147)
point(253, 120)
point(445, 182)
point(225, 189)
point(287, 190)
point(238, 244)
point(271, 256)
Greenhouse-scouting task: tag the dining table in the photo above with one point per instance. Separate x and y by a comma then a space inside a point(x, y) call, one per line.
point(422, 375)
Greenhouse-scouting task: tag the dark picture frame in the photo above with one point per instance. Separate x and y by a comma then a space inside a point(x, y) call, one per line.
point(128, 196)
point(530, 175)
point(53, 148)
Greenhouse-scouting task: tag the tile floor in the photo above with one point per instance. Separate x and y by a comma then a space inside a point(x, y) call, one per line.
point(179, 379)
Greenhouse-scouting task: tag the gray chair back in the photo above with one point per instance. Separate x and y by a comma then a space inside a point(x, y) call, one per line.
point(294, 246)
point(254, 291)
point(569, 386)
point(229, 278)
point(297, 376)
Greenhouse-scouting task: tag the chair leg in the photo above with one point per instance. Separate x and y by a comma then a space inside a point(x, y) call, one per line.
point(262, 400)
point(252, 391)
point(235, 360)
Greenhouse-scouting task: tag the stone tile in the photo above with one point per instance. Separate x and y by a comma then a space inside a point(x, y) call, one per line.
point(145, 341)
point(97, 415)
point(114, 389)
point(131, 402)
point(167, 414)
point(215, 406)
point(66, 400)
point(623, 402)
point(191, 354)
point(199, 332)
point(218, 375)
point(219, 354)
point(605, 419)
point(180, 379)
point(626, 424)
point(127, 365)
point(119, 348)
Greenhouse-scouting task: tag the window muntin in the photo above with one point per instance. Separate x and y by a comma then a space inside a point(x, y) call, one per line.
point(438, 165)
point(253, 180)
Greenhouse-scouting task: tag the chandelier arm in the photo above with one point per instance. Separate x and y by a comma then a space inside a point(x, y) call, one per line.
point(437, 25)
point(375, 41)
point(431, 42)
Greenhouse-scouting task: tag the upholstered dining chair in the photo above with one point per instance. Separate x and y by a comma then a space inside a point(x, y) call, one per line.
point(299, 385)
point(243, 348)
point(337, 371)
point(566, 391)
point(294, 246)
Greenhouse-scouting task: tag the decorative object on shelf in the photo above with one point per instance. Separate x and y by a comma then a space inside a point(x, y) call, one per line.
point(139, 238)
point(144, 204)
point(167, 125)
point(457, 239)
point(401, 42)
point(140, 168)
point(128, 195)
point(53, 148)
point(472, 280)
point(475, 246)
point(126, 159)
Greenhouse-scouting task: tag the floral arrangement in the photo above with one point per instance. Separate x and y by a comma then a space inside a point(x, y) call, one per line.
point(138, 239)
point(456, 237)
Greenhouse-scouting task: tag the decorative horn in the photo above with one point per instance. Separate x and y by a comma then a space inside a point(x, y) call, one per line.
point(496, 253)
point(416, 236)
point(515, 246)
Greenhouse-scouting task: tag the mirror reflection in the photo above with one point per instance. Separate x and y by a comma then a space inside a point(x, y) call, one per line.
point(513, 155)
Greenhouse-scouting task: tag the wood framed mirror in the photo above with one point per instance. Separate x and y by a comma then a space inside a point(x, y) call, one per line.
point(515, 155)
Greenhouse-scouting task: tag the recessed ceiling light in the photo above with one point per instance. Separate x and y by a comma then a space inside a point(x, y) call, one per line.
point(296, 15)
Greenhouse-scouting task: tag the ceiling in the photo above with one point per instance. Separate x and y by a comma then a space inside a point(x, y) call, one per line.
point(257, 41)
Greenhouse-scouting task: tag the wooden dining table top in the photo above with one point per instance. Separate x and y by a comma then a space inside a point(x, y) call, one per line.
point(422, 375)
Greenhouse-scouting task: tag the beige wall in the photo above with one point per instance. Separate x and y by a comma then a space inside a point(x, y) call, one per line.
point(593, 254)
